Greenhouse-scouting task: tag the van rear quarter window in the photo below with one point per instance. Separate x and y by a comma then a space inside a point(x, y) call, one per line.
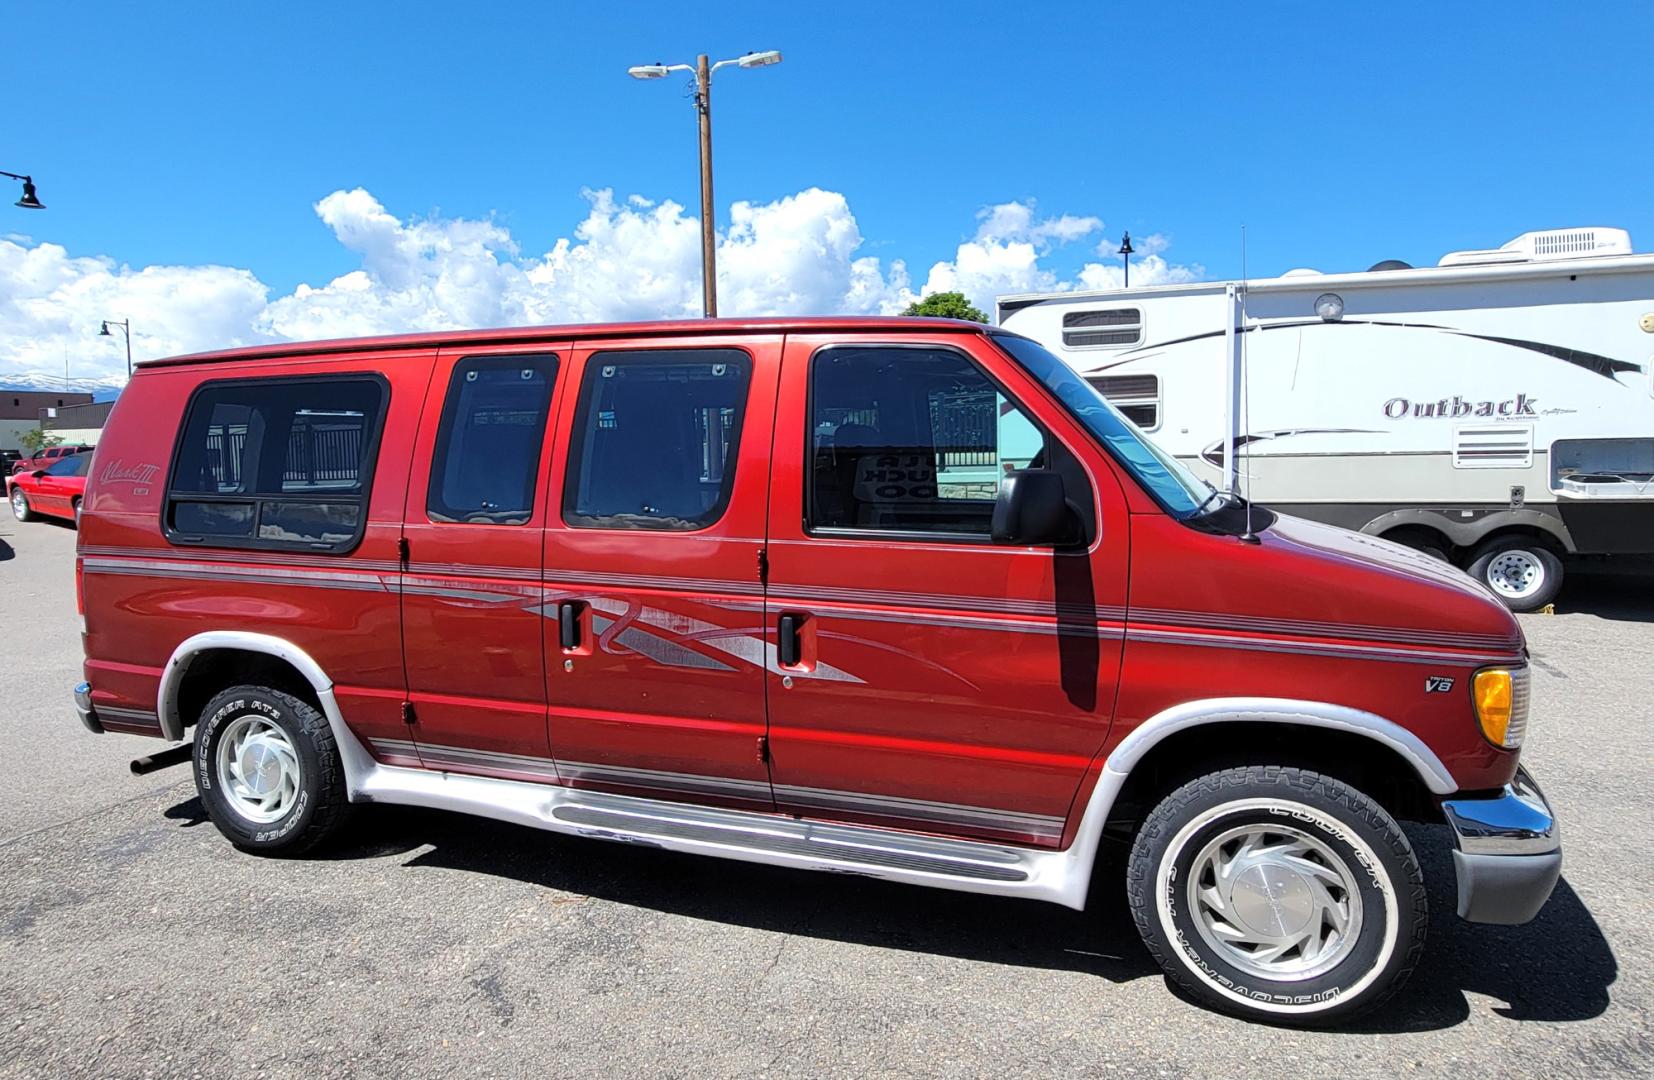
point(276, 463)
point(655, 438)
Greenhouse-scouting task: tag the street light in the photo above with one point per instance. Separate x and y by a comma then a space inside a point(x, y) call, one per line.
point(1125, 254)
point(703, 107)
point(125, 326)
point(29, 201)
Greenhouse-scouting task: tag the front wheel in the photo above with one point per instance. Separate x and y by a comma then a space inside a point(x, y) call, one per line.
point(1523, 573)
point(20, 505)
point(1278, 894)
point(268, 771)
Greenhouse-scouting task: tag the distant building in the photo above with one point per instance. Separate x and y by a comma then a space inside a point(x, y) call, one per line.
point(21, 410)
point(81, 423)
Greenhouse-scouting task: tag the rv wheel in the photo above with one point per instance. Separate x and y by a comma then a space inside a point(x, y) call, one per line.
point(1522, 572)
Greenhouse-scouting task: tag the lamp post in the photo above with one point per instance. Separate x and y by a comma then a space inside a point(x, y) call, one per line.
point(1125, 254)
point(29, 201)
point(125, 326)
point(703, 108)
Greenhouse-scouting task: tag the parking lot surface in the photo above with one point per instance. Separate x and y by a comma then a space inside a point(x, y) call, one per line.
point(134, 941)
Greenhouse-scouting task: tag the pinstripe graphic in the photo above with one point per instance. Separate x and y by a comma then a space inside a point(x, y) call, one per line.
point(658, 780)
point(1159, 626)
point(1042, 826)
point(1313, 648)
point(889, 806)
point(439, 754)
point(135, 721)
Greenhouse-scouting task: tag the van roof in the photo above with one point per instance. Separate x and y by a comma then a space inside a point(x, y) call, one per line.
point(507, 335)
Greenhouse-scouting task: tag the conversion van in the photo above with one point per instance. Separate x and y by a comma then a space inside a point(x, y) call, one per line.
point(900, 598)
point(1496, 410)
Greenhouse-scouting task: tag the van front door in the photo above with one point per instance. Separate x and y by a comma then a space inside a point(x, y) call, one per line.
point(653, 567)
point(929, 678)
point(472, 615)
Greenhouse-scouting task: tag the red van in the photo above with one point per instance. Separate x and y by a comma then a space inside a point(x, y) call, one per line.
point(895, 597)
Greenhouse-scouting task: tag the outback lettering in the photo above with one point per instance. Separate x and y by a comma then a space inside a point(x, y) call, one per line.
point(1457, 408)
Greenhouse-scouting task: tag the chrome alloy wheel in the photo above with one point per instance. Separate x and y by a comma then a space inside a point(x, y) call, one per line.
point(19, 504)
point(1274, 901)
point(1516, 573)
point(258, 769)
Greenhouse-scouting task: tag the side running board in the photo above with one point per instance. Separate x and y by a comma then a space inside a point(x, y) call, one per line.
point(773, 839)
point(619, 817)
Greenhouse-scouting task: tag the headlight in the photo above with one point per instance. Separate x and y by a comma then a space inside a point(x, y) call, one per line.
point(1501, 699)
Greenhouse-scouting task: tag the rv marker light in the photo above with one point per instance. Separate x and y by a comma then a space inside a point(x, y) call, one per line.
point(1330, 306)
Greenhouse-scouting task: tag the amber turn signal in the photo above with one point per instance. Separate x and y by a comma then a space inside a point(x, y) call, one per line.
point(1501, 700)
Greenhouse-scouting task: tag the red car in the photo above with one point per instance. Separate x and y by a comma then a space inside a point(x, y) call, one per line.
point(902, 598)
point(48, 457)
point(54, 491)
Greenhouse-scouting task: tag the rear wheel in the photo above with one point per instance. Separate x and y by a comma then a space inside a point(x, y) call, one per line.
point(268, 772)
point(1278, 894)
point(20, 505)
point(1522, 572)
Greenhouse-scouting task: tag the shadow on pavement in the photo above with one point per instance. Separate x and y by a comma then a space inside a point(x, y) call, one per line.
point(1557, 968)
point(1623, 592)
point(6, 551)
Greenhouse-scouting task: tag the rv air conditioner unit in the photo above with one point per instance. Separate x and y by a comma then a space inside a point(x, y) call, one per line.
point(1550, 244)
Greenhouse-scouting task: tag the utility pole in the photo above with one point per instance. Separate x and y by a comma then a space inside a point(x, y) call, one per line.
point(1125, 253)
point(709, 230)
point(704, 70)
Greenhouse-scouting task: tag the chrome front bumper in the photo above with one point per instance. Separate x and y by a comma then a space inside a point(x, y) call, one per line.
point(1508, 853)
point(83, 706)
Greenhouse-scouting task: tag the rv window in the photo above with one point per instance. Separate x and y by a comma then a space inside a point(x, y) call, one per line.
point(1102, 328)
point(656, 438)
point(1136, 396)
point(276, 463)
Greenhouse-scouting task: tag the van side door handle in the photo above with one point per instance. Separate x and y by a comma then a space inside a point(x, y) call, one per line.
point(568, 624)
point(787, 643)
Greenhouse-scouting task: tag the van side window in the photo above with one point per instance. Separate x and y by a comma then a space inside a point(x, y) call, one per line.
point(487, 458)
point(911, 440)
point(276, 463)
point(655, 438)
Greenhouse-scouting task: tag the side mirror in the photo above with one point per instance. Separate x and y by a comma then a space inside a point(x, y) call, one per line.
point(1031, 509)
point(38, 473)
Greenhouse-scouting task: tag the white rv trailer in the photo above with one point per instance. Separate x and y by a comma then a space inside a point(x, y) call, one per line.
point(1496, 409)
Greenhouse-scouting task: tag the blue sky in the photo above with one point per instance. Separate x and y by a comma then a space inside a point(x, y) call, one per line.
point(191, 134)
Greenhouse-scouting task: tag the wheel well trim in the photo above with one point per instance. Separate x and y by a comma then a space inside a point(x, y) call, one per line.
point(353, 755)
point(1289, 711)
point(1470, 533)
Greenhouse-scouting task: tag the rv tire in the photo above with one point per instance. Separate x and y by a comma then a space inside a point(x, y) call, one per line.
point(1521, 571)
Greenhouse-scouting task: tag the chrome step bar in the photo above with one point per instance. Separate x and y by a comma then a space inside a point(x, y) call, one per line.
point(750, 836)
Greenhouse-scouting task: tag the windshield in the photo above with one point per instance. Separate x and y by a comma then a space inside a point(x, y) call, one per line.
point(1177, 489)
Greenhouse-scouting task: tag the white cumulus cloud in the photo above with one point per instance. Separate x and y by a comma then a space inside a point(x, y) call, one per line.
point(629, 258)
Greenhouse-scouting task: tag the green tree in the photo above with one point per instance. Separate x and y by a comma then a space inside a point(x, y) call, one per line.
point(36, 440)
point(946, 305)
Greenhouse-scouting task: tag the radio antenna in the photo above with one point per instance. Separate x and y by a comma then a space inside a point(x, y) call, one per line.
point(1245, 435)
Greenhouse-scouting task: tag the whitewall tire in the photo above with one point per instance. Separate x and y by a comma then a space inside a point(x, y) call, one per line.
point(1278, 894)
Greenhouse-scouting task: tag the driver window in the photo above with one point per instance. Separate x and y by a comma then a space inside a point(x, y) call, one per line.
point(911, 440)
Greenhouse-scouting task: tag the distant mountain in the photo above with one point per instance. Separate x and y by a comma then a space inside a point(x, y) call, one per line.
point(100, 389)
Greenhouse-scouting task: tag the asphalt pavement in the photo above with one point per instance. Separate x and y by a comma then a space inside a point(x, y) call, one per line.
point(134, 941)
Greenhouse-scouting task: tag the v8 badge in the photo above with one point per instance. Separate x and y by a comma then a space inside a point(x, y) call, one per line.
point(1437, 684)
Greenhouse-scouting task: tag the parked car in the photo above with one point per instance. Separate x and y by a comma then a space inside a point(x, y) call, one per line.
point(902, 598)
point(47, 457)
point(55, 491)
